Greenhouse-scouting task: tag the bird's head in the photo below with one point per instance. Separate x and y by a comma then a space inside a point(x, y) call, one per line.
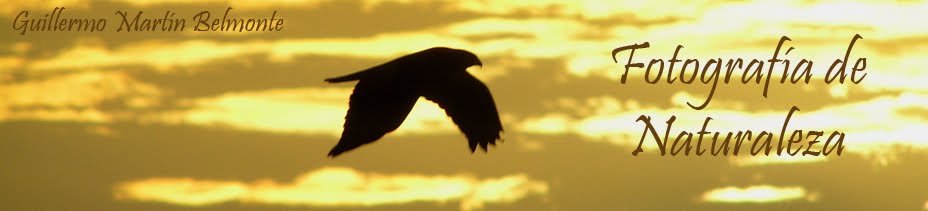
point(466, 59)
point(456, 58)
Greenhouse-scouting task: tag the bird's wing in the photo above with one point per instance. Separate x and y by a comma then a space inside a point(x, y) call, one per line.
point(374, 110)
point(469, 104)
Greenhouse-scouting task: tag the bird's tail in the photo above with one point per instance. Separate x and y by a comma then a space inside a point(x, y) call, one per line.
point(349, 77)
point(340, 79)
point(359, 75)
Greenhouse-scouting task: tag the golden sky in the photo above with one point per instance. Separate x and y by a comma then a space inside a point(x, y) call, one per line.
point(242, 120)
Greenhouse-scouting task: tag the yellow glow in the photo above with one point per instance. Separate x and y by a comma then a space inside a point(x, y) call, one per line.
point(578, 42)
point(56, 115)
point(181, 191)
point(81, 89)
point(71, 97)
point(96, 84)
point(771, 160)
point(163, 56)
point(838, 91)
point(502, 190)
point(884, 123)
point(336, 186)
point(753, 194)
point(13, 7)
point(237, 4)
point(321, 111)
point(595, 9)
point(271, 110)
point(568, 37)
point(551, 124)
point(535, 38)
point(10, 63)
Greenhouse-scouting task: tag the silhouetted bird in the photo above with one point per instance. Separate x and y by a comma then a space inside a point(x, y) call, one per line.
point(386, 93)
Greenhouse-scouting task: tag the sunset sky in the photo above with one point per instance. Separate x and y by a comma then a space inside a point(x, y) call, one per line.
point(243, 120)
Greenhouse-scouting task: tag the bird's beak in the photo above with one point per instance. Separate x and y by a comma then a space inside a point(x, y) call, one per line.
point(479, 63)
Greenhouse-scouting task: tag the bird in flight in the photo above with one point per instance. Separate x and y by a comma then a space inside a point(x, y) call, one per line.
point(386, 93)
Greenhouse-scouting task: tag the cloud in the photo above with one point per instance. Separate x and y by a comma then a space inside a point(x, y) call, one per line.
point(583, 46)
point(531, 38)
point(160, 55)
point(298, 110)
point(337, 186)
point(11, 62)
point(756, 194)
point(13, 7)
point(870, 126)
point(81, 89)
point(74, 96)
point(164, 55)
point(773, 160)
point(58, 115)
point(181, 191)
point(237, 4)
point(882, 20)
point(590, 9)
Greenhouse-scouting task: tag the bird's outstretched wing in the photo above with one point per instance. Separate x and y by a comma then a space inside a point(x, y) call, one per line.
point(469, 104)
point(373, 111)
